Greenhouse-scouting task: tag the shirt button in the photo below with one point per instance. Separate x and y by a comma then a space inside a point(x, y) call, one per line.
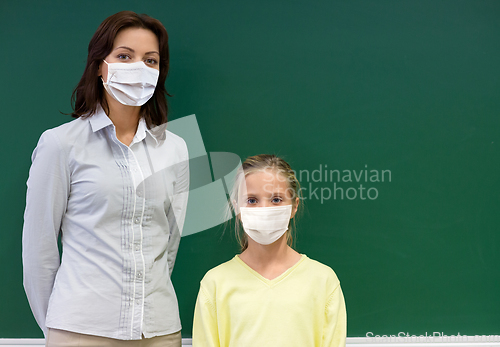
point(137, 248)
point(138, 302)
point(137, 220)
point(139, 274)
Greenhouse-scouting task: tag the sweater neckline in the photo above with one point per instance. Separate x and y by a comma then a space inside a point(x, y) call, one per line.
point(275, 280)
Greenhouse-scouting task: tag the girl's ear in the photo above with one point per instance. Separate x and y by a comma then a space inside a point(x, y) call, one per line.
point(295, 207)
point(236, 210)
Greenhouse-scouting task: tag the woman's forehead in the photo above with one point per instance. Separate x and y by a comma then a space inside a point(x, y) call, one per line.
point(136, 36)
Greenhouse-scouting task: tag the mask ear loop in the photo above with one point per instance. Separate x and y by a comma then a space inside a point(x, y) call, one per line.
point(106, 83)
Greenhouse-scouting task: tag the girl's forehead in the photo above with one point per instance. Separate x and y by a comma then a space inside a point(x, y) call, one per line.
point(265, 179)
point(266, 175)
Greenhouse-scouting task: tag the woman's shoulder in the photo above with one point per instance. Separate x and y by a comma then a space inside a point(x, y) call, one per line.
point(168, 140)
point(175, 140)
point(75, 124)
point(63, 134)
point(174, 137)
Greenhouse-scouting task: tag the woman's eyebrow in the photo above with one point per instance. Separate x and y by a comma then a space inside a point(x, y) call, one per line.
point(131, 50)
point(127, 48)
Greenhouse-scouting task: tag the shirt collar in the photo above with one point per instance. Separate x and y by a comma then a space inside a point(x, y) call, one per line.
point(158, 133)
point(100, 120)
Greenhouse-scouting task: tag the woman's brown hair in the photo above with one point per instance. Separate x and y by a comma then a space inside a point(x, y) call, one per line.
point(89, 93)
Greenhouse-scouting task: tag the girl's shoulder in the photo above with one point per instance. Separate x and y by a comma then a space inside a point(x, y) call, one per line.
point(318, 266)
point(320, 271)
point(225, 270)
point(224, 275)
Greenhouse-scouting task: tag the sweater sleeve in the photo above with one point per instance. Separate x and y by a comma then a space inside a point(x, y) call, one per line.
point(205, 328)
point(46, 201)
point(335, 329)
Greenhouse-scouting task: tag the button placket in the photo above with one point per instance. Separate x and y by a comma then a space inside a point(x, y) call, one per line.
point(134, 209)
point(138, 202)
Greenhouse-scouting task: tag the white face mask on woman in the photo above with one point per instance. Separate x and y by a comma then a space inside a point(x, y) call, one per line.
point(265, 225)
point(131, 84)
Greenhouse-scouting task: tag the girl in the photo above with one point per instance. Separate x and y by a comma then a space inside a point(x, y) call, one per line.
point(113, 183)
point(269, 295)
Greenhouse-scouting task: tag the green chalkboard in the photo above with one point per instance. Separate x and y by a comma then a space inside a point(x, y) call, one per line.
point(388, 111)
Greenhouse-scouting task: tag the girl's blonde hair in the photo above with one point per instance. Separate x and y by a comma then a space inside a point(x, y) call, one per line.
point(259, 163)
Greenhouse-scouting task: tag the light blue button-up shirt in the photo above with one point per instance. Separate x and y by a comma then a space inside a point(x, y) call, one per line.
point(120, 211)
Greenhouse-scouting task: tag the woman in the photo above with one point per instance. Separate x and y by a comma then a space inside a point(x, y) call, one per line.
point(269, 295)
point(113, 183)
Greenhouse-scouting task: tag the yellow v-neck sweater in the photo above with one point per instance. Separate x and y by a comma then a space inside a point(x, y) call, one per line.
point(237, 307)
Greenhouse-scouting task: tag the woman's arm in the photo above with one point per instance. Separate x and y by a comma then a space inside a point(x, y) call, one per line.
point(335, 330)
point(46, 201)
point(176, 213)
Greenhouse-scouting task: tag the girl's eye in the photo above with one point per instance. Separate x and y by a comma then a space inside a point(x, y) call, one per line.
point(151, 61)
point(251, 201)
point(276, 200)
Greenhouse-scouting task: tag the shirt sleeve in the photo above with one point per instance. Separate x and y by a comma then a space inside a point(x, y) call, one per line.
point(205, 328)
point(176, 213)
point(46, 201)
point(335, 330)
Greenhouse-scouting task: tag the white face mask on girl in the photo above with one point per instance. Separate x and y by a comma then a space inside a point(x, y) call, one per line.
point(131, 84)
point(265, 225)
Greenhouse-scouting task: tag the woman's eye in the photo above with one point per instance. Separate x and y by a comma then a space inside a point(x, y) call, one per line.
point(151, 61)
point(123, 56)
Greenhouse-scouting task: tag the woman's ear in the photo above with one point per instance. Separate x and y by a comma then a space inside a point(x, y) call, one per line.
point(102, 71)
